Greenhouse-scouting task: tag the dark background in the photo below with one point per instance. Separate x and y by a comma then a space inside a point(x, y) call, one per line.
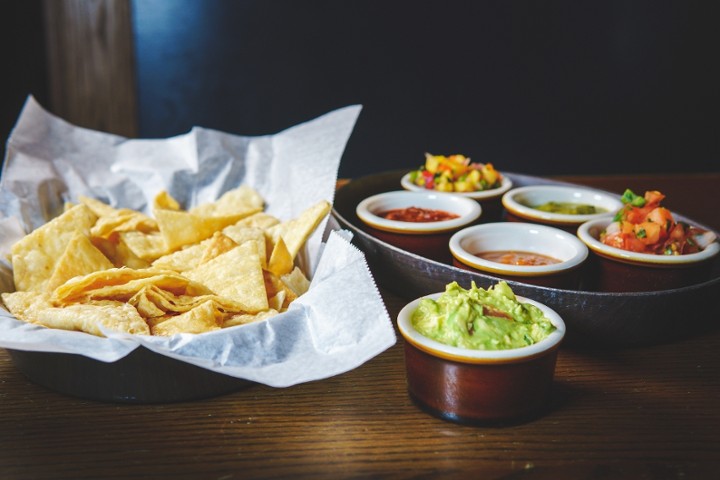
point(538, 87)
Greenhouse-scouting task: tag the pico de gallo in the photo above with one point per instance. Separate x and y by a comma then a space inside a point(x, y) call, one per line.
point(455, 173)
point(643, 225)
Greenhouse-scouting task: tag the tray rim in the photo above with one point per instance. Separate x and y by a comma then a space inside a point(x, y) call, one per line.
point(580, 298)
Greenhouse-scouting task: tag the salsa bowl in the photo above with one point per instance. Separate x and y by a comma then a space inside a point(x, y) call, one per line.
point(561, 206)
point(527, 252)
point(480, 386)
point(617, 270)
point(429, 237)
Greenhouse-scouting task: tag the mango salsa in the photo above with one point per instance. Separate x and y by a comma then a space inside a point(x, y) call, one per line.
point(455, 173)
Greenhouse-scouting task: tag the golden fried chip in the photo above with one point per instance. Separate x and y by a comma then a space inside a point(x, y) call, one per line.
point(218, 244)
point(296, 281)
point(144, 302)
point(281, 260)
point(295, 232)
point(89, 318)
point(25, 305)
point(280, 296)
point(203, 318)
point(152, 301)
point(124, 257)
point(244, 318)
point(242, 201)
point(182, 260)
point(80, 258)
point(166, 201)
point(112, 220)
point(260, 220)
point(35, 255)
point(147, 246)
point(193, 255)
point(182, 228)
point(237, 275)
point(242, 234)
point(122, 284)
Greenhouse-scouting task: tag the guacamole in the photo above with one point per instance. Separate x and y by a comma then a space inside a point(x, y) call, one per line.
point(480, 319)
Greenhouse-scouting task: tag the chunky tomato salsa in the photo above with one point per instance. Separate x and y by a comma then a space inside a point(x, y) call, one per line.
point(417, 214)
point(643, 225)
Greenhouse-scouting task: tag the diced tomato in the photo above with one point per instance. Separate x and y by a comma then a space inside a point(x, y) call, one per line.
point(662, 217)
point(637, 214)
point(653, 198)
point(648, 232)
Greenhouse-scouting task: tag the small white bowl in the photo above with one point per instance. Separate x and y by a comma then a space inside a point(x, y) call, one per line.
point(505, 185)
point(522, 237)
point(427, 239)
point(619, 270)
point(520, 203)
point(370, 209)
point(480, 386)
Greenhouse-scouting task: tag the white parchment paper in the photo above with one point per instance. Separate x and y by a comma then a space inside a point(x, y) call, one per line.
point(340, 323)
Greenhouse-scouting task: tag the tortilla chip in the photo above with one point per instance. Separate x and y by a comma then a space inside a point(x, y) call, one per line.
point(237, 275)
point(260, 220)
point(80, 258)
point(26, 305)
point(242, 234)
point(147, 246)
point(122, 283)
point(89, 318)
point(295, 232)
point(34, 256)
point(112, 220)
point(296, 281)
point(280, 296)
point(183, 228)
point(281, 260)
point(245, 318)
point(203, 318)
point(218, 244)
point(242, 201)
point(166, 201)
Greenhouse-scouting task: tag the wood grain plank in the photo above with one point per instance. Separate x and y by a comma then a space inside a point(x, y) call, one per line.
point(91, 64)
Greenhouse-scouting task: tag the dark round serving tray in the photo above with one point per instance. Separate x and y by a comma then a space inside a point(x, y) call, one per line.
point(141, 377)
point(600, 318)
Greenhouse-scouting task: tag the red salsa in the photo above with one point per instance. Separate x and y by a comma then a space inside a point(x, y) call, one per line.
point(514, 257)
point(417, 214)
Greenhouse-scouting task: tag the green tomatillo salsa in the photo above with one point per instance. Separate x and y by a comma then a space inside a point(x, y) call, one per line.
point(480, 319)
point(569, 208)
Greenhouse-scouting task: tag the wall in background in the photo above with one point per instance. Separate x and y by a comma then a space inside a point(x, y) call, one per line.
point(535, 87)
point(22, 49)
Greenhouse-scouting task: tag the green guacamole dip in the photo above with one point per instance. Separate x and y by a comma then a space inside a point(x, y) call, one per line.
point(480, 319)
point(569, 208)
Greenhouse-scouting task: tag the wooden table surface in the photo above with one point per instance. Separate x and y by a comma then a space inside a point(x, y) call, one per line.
point(650, 412)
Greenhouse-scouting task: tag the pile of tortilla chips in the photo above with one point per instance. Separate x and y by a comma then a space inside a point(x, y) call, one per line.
point(217, 265)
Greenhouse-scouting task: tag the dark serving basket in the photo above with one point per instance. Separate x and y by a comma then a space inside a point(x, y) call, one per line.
point(592, 317)
point(141, 377)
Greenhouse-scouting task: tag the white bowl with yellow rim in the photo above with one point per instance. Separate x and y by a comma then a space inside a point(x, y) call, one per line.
point(428, 239)
point(565, 253)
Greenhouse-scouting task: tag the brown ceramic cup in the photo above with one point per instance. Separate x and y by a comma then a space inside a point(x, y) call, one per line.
point(480, 386)
point(616, 270)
